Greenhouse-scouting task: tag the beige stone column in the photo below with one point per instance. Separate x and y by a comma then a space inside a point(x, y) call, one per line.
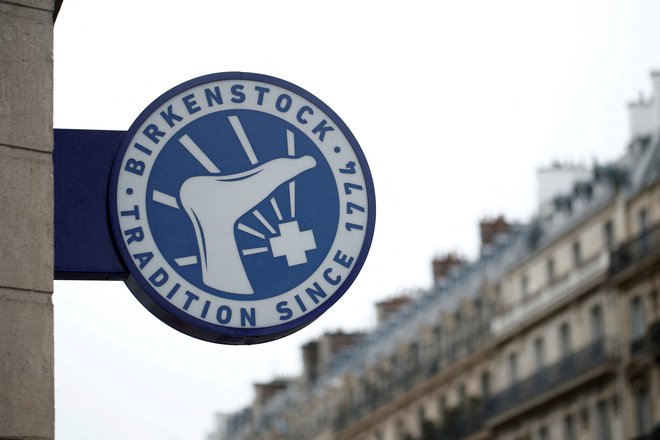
point(26, 219)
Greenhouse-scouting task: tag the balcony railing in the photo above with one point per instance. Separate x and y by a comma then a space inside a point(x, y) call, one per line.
point(407, 373)
point(654, 342)
point(637, 346)
point(635, 250)
point(649, 343)
point(653, 434)
point(547, 379)
point(470, 418)
point(462, 421)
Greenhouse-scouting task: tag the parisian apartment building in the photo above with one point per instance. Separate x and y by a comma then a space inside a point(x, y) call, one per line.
point(552, 333)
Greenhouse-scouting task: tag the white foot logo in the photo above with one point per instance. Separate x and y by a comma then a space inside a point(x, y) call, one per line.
point(215, 203)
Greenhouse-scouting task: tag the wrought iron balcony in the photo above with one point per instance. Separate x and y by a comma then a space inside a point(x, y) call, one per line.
point(637, 346)
point(468, 419)
point(552, 377)
point(406, 374)
point(634, 251)
point(654, 343)
point(648, 344)
point(653, 434)
point(462, 421)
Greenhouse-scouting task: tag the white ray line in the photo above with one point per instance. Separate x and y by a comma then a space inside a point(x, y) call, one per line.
point(186, 261)
point(250, 231)
point(291, 150)
point(242, 137)
point(276, 208)
point(290, 143)
point(165, 199)
point(292, 198)
point(198, 154)
point(263, 221)
point(259, 250)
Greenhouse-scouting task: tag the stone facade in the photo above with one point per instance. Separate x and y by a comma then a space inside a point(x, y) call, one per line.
point(26, 217)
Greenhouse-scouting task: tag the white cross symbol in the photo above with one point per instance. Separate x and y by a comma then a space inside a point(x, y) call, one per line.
point(293, 243)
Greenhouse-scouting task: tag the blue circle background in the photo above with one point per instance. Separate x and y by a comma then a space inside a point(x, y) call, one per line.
point(183, 322)
point(316, 199)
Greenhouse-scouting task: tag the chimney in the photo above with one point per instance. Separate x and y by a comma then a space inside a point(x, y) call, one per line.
point(442, 265)
point(640, 115)
point(558, 180)
point(389, 307)
point(330, 344)
point(310, 354)
point(490, 228)
point(644, 114)
point(655, 79)
point(264, 391)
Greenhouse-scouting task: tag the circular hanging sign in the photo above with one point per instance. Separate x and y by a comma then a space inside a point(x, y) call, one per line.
point(242, 206)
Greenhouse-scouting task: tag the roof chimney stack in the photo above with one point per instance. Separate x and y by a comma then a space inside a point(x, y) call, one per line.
point(442, 266)
point(644, 114)
point(265, 391)
point(655, 79)
point(318, 354)
point(558, 180)
point(640, 115)
point(489, 228)
point(310, 354)
point(385, 309)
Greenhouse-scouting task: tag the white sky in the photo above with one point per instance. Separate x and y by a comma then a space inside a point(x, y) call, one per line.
point(455, 104)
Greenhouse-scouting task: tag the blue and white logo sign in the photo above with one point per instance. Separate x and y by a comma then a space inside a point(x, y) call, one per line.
point(243, 207)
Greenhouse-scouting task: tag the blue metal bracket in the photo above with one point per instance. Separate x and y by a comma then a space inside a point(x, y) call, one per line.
point(84, 247)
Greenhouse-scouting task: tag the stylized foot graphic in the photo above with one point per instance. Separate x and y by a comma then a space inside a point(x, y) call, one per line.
point(214, 205)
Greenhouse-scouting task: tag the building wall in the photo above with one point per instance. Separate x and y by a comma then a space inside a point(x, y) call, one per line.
point(648, 202)
point(574, 355)
point(641, 283)
point(26, 233)
point(592, 302)
point(590, 237)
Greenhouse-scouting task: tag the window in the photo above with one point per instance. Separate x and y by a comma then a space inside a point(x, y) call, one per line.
point(400, 429)
point(642, 221)
point(485, 384)
point(550, 271)
point(569, 428)
point(539, 353)
point(608, 234)
point(524, 286)
point(643, 226)
point(447, 346)
point(602, 421)
point(413, 355)
point(643, 411)
point(636, 319)
point(543, 433)
point(596, 323)
point(421, 415)
point(565, 340)
point(462, 394)
point(443, 406)
point(481, 309)
point(513, 367)
point(577, 254)
point(436, 332)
